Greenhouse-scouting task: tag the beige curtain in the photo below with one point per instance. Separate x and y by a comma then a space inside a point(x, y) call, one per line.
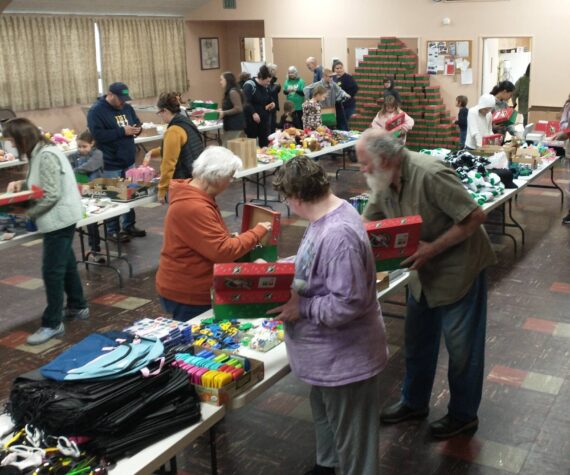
point(46, 61)
point(147, 54)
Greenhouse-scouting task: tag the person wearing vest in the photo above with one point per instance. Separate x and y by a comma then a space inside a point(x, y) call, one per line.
point(232, 108)
point(55, 215)
point(258, 105)
point(181, 145)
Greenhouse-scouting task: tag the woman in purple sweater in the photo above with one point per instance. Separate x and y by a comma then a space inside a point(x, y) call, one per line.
point(333, 324)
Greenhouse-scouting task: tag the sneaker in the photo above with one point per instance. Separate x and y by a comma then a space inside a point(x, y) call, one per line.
point(566, 219)
point(98, 257)
point(399, 412)
point(79, 313)
point(320, 470)
point(44, 334)
point(133, 231)
point(448, 426)
point(116, 237)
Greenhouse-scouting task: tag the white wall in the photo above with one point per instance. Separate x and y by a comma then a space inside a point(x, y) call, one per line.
point(547, 21)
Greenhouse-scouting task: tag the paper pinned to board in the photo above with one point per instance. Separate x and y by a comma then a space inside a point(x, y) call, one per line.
point(462, 64)
point(467, 76)
point(462, 49)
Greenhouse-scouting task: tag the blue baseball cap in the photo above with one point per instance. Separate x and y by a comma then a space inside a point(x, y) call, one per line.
point(121, 90)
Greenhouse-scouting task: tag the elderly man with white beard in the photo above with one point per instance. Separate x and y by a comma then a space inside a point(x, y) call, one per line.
point(450, 295)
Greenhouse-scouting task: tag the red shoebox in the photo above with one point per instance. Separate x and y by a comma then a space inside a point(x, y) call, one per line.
point(267, 248)
point(394, 240)
point(248, 290)
point(506, 116)
point(13, 202)
point(396, 121)
point(495, 139)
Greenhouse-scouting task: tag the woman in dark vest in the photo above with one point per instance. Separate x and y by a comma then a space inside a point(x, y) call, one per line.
point(181, 145)
point(232, 108)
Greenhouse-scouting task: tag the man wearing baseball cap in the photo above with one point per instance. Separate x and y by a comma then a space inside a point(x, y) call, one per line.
point(114, 125)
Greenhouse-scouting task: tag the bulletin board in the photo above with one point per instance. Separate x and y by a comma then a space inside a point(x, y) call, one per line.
point(449, 57)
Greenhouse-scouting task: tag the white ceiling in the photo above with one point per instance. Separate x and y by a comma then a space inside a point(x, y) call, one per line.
point(106, 7)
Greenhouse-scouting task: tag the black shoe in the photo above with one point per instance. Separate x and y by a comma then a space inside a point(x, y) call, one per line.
point(116, 237)
point(320, 470)
point(133, 231)
point(449, 426)
point(399, 412)
point(566, 219)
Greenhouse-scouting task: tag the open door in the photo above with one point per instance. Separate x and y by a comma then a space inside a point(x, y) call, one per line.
point(504, 59)
point(294, 52)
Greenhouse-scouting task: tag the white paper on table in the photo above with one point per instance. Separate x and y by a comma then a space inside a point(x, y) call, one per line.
point(467, 76)
point(359, 53)
point(463, 49)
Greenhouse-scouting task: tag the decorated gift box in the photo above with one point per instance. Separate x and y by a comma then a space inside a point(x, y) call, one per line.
point(395, 121)
point(248, 290)
point(495, 139)
point(267, 247)
point(12, 203)
point(393, 240)
point(506, 116)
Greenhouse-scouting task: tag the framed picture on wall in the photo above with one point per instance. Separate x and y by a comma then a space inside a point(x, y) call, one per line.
point(209, 53)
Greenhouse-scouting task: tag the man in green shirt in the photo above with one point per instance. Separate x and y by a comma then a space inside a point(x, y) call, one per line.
point(450, 295)
point(520, 96)
point(293, 90)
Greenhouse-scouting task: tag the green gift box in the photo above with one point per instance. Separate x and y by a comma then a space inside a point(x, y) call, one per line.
point(211, 115)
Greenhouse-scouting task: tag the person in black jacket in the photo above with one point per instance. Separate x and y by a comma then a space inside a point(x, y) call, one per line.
point(181, 145)
point(274, 90)
point(344, 110)
point(258, 106)
point(232, 108)
point(114, 125)
point(461, 122)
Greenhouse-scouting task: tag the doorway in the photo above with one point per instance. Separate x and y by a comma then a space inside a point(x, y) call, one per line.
point(253, 50)
point(504, 59)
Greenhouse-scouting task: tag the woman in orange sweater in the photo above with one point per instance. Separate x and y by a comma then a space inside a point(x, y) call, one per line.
point(196, 237)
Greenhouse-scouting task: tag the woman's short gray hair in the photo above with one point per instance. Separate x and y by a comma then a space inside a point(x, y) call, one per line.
point(382, 145)
point(216, 164)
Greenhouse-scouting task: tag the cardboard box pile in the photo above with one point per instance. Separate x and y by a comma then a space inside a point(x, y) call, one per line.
point(434, 127)
point(528, 156)
point(393, 240)
point(248, 290)
point(118, 189)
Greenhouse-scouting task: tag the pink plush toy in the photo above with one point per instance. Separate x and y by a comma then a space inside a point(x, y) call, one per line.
point(143, 173)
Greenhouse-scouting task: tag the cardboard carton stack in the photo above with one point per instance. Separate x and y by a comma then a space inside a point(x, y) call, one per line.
point(433, 127)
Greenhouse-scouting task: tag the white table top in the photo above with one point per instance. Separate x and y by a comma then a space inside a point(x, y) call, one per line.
point(152, 457)
point(331, 149)
point(12, 163)
point(262, 167)
point(111, 212)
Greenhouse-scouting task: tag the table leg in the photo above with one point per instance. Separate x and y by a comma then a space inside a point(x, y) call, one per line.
point(345, 151)
point(213, 454)
point(504, 225)
point(515, 222)
point(553, 186)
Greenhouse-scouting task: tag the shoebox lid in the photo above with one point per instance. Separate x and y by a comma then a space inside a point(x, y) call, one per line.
point(393, 240)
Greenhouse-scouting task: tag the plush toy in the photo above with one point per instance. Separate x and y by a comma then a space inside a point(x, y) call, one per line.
point(142, 173)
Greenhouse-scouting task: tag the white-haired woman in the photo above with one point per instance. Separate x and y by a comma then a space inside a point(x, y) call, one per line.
point(293, 90)
point(196, 237)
